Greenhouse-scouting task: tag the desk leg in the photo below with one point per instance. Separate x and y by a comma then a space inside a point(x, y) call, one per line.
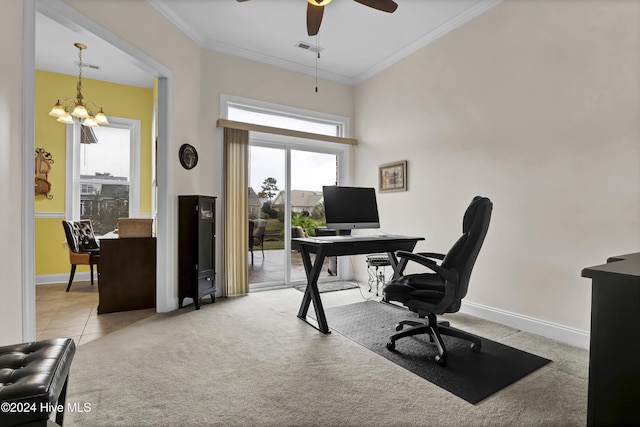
point(398, 267)
point(312, 293)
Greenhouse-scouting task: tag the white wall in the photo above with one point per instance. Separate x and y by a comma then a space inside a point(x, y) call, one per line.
point(11, 21)
point(535, 105)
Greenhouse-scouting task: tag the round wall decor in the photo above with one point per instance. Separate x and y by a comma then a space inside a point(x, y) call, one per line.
point(188, 156)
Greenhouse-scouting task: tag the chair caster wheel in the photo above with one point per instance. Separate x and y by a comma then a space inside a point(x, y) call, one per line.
point(475, 348)
point(391, 346)
point(442, 361)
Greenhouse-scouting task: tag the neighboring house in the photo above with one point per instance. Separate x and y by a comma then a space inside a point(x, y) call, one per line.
point(301, 200)
point(103, 201)
point(254, 204)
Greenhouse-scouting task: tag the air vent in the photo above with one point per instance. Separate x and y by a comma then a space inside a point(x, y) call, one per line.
point(310, 47)
point(92, 66)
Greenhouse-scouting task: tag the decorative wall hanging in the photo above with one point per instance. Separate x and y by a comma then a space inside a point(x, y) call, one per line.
point(188, 156)
point(393, 177)
point(43, 162)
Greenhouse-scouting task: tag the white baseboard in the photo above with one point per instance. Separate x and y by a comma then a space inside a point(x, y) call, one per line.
point(48, 279)
point(554, 331)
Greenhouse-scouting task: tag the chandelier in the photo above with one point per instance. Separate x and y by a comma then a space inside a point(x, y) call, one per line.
point(78, 107)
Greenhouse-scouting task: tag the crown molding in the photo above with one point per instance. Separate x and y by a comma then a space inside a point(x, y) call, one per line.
point(177, 21)
point(277, 62)
point(443, 29)
point(469, 14)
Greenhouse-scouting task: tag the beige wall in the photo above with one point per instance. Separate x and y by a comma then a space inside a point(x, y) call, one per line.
point(11, 172)
point(535, 105)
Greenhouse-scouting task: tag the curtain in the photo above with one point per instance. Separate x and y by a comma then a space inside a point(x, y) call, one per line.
point(236, 216)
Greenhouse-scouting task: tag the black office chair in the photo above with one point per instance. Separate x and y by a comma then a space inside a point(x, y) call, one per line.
point(431, 294)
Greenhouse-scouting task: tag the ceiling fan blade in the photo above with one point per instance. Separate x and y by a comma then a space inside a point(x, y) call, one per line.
point(383, 5)
point(314, 18)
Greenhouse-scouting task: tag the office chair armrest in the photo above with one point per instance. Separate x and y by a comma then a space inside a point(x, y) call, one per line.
point(448, 275)
point(432, 255)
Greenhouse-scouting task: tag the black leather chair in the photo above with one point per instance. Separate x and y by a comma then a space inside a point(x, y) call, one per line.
point(83, 246)
point(432, 294)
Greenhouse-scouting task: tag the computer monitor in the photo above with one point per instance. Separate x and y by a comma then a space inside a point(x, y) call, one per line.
point(347, 208)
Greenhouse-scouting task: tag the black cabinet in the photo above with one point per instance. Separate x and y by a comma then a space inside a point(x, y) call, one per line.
point(196, 248)
point(614, 371)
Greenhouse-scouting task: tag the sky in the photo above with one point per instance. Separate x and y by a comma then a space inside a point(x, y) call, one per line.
point(109, 154)
point(309, 171)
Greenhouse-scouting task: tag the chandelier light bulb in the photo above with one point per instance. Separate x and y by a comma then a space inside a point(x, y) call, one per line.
point(101, 118)
point(80, 111)
point(58, 110)
point(66, 119)
point(89, 122)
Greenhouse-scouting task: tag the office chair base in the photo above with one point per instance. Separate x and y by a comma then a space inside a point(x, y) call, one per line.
point(434, 329)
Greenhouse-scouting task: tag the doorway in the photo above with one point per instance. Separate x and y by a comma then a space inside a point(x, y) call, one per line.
point(67, 16)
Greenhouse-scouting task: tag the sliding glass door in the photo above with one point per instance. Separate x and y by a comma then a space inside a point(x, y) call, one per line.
point(267, 172)
point(286, 175)
point(309, 172)
point(285, 196)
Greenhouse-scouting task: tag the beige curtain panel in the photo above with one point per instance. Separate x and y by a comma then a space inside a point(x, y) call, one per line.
point(236, 226)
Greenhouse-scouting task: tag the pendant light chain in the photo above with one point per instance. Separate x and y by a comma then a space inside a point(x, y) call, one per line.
point(79, 97)
point(317, 57)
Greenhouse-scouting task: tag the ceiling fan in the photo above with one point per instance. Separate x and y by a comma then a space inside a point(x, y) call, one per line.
point(315, 10)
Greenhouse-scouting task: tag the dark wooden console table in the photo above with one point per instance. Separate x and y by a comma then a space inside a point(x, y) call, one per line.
point(337, 246)
point(127, 274)
point(614, 369)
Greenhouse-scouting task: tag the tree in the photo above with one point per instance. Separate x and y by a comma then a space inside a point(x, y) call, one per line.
point(269, 189)
point(268, 211)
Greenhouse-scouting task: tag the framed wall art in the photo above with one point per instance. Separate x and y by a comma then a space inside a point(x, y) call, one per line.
point(392, 177)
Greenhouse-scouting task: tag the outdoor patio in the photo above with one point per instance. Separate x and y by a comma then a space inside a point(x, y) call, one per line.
point(270, 268)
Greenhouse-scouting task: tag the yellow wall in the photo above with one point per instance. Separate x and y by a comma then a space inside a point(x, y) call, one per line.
point(116, 100)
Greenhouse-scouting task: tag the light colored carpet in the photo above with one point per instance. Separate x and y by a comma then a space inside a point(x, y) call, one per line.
point(250, 361)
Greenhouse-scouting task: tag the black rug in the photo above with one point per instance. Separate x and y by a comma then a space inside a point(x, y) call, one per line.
point(470, 376)
point(336, 285)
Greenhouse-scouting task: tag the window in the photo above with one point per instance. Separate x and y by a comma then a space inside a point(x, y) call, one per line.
point(277, 119)
point(102, 183)
point(282, 116)
point(286, 175)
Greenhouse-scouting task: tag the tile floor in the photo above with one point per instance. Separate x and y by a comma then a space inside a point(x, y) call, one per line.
point(74, 314)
